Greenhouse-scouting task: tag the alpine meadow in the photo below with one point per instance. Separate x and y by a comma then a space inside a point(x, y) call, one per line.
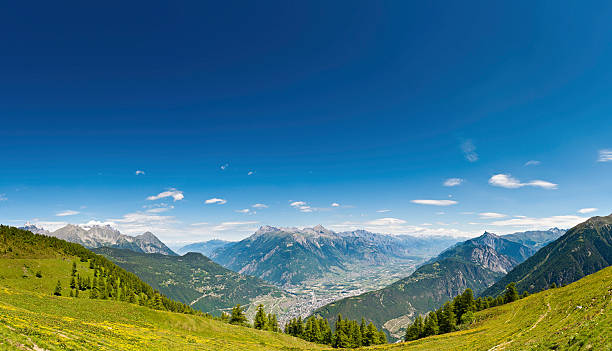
point(346, 175)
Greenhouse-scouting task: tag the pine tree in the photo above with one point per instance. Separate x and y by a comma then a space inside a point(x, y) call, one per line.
point(74, 268)
point(72, 283)
point(525, 294)
point(76, 293)
point(237, 316)
point(272, 322)
point(448, 321)
point(71, 294)
point(431, 325)
point(260, 318)
point(58, 289)
point(340, 338)
point(415, 330)
point(511, 293)
point(371, 335)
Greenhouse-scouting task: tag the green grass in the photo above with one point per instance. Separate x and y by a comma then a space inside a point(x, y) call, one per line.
point(31, 318)
point(550, 320)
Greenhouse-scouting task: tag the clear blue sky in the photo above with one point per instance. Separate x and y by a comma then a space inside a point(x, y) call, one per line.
point(365, 105)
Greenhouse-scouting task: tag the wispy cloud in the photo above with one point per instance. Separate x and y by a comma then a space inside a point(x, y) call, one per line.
point(3, 197)
point(541, 223)
point(383, 210)
point(139, 172)
point(67, 213)
point(335, 204)
point(251, 173)
point(435, 202)
point(177, 195)
point(469, 151)
point(509, 182)
point(605, 155)
point(301, 206)
point(453, 182)
point(224, 166)
point(489, 215)
point(245, 211)
point(215, 200)
point(587, 210)
point(259, 206)
point(159, 209)
point(532, 163)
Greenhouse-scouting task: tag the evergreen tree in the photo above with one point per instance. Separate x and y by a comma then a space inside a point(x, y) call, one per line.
point(238, 316)
point(382, 337)
point(340, 338)
point(448, 321)
point(260, 318)
point(431, 324)
point(467, 318)
point(511, 293)
point(74, 268)
point(272, 322)
point(71, 294)
point(371, 335)
point(76, 293)
point(525, 294)
point(553, 286)
point(415, 330)
point(58, 289)
point(73, 283)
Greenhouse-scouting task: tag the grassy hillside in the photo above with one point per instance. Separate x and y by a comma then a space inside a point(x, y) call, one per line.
point(32, 318)
point(574, 317)
point(192, 279)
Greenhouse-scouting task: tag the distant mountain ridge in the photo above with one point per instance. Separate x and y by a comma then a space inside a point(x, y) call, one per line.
point(192, 279)
point(206, 248)
point(582, 250)
point(536, 239)
point(99, 236)
point(475, 263)
point(287, 256)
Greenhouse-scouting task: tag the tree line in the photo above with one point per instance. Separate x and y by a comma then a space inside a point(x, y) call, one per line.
point(457, 312)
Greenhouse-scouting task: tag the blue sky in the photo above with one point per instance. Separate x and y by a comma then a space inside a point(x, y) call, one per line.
point(343, 113)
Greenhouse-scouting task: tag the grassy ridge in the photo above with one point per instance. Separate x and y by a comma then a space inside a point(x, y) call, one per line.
point(575, 317)
point(31, 317)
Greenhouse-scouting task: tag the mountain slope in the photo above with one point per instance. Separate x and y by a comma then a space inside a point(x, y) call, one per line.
point(205, 248)
point(192, 279)
point(584, 249)
point(473, 264)
point(289, 256)
point(574, 317)
point(98, 236)
point(32, 318)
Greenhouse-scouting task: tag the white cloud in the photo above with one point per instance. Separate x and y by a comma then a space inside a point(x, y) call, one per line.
point(532, 163)
point(509, 182)
point(301, 206)
point(469, 151)
point(383, 211)
point(67, 213)
point(386, 221)
point(487, 215)
point(139, 222)
point(235, 225)
point(540, 223)
point(177, 195)
point(94, 222)
point(251, 173)
point(453, 182)
point(435, 202)
point(48, 225)
point(160, 209)
point(335, 204)
point(139, 172)
point(215, 200)
point(587, 210)
point(605, 155)
point(244, 210)
point(3, 197)
point(224, 166)
point(199, 224)
point(260, 206)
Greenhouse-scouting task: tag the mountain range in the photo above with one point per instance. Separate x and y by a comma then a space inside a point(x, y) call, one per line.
point(289, 256)
point(99, 236)
point(206, 248)
point(476, 264)
point(582, 250)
